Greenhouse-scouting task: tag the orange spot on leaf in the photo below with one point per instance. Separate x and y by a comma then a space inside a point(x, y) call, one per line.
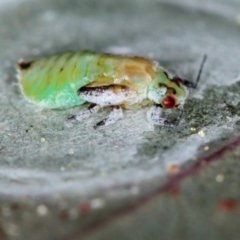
point(173, 168)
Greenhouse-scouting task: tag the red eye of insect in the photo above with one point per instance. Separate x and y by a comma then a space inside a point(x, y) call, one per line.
point(177, 80)
point(169, 101)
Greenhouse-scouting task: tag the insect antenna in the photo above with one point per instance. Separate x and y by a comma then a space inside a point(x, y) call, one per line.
point(200, 71)
point(194, 85)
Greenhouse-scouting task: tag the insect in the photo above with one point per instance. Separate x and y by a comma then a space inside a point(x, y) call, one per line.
point(122, 82)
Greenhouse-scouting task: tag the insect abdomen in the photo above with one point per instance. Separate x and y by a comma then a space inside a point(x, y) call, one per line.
point(53, 82)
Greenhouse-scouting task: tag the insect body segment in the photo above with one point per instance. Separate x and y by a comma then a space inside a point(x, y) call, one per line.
point(70, 79)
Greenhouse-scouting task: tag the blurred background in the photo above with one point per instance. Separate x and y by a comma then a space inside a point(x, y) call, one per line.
point(130, 180)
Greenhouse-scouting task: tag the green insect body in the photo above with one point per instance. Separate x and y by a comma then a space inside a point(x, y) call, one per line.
point(69, 79)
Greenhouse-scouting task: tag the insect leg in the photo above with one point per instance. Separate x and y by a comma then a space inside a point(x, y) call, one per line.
point(102, 96)
point(92, 109)
point(153, 116)
point(114, 115)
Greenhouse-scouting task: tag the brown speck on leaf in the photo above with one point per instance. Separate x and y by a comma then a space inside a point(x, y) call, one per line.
point(63, 214)
point(84, 209)
point(226, 205)
point(15, 206)
point(173, 192)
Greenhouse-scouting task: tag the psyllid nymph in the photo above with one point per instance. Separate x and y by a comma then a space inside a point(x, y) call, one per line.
point(122, 82)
